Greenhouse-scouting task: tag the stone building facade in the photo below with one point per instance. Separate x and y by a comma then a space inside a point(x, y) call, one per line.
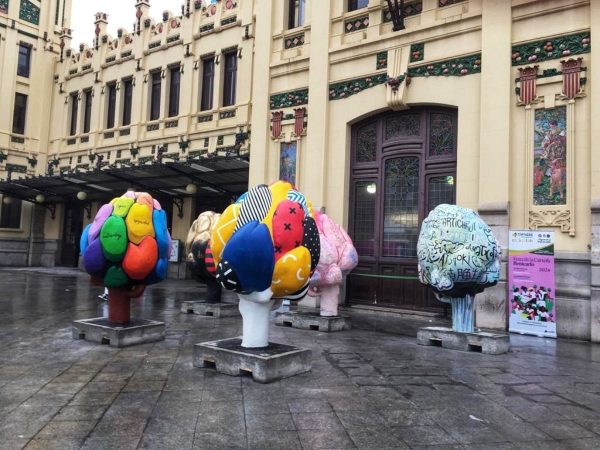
point(377, 114)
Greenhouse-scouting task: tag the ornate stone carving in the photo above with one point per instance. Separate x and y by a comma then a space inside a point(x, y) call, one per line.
point(552, 218)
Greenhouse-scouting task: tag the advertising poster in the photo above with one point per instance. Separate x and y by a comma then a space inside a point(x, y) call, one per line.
point(531, 283)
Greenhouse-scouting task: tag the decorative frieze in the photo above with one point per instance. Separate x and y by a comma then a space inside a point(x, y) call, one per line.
point(551, 48)
point(71, 141)
point(289, 99)
point(172, 38)
point(152, 127)
point(17, 139)
point(207, 27)
point(228, 20)
point(29, 12)
point(347, 88)
point(417, 52)
point(356, 24)
point(111, 59)
point(152, 45)
point(227, 114)
point(125, 132)
point(171, 124)
point(145, 159)
point(296, 40)
point(16, 168)
point(442, 3)
point(84, 139)
point(109, 135)
point(205, 118)
point(381, 61)
point(465, 65)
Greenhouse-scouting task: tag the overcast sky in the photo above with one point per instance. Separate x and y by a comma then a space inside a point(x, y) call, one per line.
point(121, 14)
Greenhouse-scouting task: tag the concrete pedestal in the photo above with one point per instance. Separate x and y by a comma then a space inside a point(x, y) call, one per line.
point(482, 341)
point(210, 309)
point(100, 330)
point(307, 320)
point(266, 364)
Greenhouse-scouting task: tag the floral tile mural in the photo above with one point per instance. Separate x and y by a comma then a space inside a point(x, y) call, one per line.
point(550, 157)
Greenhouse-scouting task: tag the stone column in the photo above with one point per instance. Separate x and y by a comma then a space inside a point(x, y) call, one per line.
point(313, 151)
point(594, 99)
point(261, 83)
point(494, 147)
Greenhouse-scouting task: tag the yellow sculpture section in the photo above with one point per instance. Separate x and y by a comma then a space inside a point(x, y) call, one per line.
point(223, 231)
point(279, 191)
point(139, 222)
point(291, 270)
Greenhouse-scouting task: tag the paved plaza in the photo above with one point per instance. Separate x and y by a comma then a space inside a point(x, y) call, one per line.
point(372, 387)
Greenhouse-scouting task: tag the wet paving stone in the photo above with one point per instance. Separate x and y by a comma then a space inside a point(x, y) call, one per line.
point(370, 388)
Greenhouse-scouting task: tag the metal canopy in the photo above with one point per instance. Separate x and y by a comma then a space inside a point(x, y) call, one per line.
point(213, 176)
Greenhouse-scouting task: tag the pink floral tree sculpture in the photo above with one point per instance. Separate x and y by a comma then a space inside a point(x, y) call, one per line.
point(338, 258)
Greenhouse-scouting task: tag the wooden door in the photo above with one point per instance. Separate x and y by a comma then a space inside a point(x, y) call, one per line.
point(403, 165)
point(72, 229)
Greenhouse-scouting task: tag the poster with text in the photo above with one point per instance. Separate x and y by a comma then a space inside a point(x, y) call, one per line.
point(531, 283)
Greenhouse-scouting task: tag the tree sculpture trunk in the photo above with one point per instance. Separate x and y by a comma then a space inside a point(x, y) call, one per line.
point(213, 291)
point(463, 312)
point(329, 299)
point(255, 310)
point(119, 300)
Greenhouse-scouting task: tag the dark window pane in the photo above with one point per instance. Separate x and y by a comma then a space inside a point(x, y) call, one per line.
point(296, 13)
point(74, 108)
point(442, 139)
point(440, 189)
point(155, 88)
point(23, 67)
point(174, 87)
point(366, 143)
point(230, 79)
point(357, 4)
point(112, 103)
point(365, 196)
point(401, 207)
point(402, 126)
point(127, 99)
point(208, 77)
point(87, 116)
point(19, 113)
point(10, 215)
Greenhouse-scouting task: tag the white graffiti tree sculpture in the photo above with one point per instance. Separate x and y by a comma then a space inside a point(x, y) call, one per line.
point(458, 257)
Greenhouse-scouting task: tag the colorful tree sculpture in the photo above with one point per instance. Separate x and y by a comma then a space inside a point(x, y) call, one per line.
point(338, 258)
point(199, 255)
point(266, 247)
point(458, 257)
point(126, 248)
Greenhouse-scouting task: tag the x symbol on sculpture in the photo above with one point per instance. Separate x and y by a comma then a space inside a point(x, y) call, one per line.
point(287, 226)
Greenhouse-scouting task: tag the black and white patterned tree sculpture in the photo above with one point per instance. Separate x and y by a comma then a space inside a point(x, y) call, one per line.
point(458, 257)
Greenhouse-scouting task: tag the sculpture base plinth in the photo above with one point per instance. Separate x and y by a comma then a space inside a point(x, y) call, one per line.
point(490, 343)
point(100, 330)
point(210, 309)
point(266, 364)
point(308, 320)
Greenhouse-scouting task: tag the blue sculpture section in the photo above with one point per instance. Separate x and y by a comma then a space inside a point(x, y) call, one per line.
point(459, 257)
